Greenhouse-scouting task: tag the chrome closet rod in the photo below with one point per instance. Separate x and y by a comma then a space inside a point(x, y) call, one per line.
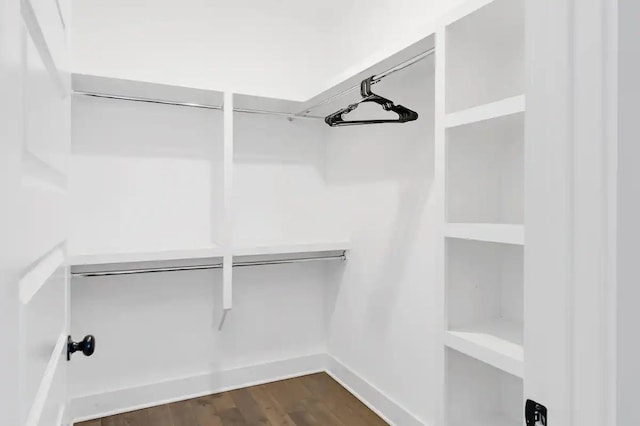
point(376, 79)
point(194, 105)
point(203, 267)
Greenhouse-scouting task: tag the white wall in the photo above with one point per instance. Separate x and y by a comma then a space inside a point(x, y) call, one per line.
point(158, 327)
point(141, 174)
point(279, 192)
point(286, 49)
point(383, 324)
point(144, 177)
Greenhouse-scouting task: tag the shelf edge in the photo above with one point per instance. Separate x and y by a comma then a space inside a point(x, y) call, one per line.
point(501, 361)
point(490, 111)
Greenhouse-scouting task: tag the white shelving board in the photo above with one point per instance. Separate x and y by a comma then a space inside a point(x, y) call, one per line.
point(291, 248)
point(503, 108)
point(150, 256)
point(264, 251)
point(498, 343)
point(488, 232)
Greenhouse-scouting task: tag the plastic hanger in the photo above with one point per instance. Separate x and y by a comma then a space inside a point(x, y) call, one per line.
point(404, 114)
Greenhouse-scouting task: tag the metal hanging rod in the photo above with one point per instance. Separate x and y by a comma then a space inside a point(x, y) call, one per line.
point(195, 105)
point(376, 79)
point(134, 271)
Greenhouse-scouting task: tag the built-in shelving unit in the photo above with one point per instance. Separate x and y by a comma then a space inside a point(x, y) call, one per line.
point(180, 184)
point(481, 128)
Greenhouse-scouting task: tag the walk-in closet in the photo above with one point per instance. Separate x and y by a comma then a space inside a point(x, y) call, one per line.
point(308, 213)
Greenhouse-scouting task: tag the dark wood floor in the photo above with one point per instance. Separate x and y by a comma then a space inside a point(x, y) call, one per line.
point(316, 399)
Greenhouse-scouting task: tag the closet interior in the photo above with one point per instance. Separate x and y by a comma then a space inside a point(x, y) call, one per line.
point(218, 240)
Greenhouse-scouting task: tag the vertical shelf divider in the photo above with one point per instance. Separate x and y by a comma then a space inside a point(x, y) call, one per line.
point(227, 217)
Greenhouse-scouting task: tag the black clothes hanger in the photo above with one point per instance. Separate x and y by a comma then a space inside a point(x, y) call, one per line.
point(404, 114)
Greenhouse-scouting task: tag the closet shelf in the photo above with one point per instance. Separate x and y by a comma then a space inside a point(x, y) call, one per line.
point(498, 343)
point(288, 253)
point(209, 258)
point(503, 108)
point(292, 248)
point(148, 256)
point(488, 232)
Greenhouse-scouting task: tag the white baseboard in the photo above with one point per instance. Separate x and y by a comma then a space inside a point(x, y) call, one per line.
point(120, 401)
point(109, 403)
point(389, 410)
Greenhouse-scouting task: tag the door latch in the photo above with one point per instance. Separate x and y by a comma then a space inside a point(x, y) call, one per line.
point(535, 414)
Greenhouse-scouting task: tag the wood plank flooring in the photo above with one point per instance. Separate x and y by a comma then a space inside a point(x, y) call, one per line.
point(311, 400)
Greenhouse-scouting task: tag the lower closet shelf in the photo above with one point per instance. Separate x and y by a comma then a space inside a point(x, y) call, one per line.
point(200, 259)
point(498, 343)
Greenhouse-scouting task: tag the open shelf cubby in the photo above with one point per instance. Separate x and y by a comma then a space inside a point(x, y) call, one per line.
point(485, 171)
point(485, 297)
point(485, 55)
point(480, 395)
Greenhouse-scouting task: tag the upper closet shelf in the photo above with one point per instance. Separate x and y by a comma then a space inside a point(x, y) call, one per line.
point(148, 256)
point(253, 255)
point(293, 248)
point(488, 232)
point(497, 343)
point(503, 108)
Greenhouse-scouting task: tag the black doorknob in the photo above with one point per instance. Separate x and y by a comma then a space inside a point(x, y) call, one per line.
point(86, 345)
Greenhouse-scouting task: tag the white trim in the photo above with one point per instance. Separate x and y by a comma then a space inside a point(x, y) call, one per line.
point(384, 406)
point(60, 417)
point(37, 277)
point(89, 407)
point(47, 380)
point(118, 401)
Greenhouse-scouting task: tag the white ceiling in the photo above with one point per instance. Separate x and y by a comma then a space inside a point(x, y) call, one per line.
point(290, 49)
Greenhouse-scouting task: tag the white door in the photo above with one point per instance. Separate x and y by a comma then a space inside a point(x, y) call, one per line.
point(570, 177)
point(34, 148)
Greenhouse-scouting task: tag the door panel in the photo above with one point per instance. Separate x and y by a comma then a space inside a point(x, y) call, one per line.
point(39, 225)
point(43, 324)
point(53, 409)
point(40, 199)
point(47, 110)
